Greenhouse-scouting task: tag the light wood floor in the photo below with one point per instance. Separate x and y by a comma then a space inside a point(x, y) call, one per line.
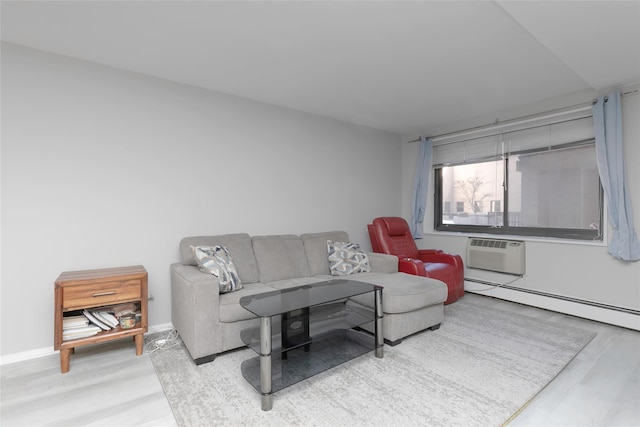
point(109, 386)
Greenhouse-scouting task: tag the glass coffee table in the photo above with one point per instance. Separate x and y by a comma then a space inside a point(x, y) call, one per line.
point(306, 330)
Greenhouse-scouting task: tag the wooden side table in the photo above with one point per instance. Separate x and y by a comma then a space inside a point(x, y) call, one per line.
point(78, 290)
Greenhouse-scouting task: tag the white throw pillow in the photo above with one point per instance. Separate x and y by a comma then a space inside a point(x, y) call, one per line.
point(347, 258)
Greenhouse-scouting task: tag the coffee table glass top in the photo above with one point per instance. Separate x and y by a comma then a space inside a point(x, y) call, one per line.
point(286, 300)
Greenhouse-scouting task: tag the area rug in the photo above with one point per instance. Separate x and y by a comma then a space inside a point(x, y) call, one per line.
point(479, 369)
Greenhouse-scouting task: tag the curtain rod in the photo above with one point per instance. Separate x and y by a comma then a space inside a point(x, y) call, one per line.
point(497, 124)
point(525, 119)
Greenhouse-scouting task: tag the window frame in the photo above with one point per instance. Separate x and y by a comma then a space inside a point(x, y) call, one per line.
point(543, 232)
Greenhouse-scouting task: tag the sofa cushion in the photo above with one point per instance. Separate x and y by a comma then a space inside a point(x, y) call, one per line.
point(290, 283)
point(346, 258)
point(402, 292)
point(216, 260)
point(280, 257)
point(315, 247)
point(239, 245)
point(230, 308)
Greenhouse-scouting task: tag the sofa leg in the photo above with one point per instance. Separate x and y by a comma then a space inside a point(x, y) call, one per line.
point(205, 359)
point(393, 343)
point(435, 327)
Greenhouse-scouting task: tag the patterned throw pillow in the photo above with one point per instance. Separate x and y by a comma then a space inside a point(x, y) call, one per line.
point(216, 260)
point(347, 258)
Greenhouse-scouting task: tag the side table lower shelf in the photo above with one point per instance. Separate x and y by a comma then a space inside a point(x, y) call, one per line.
point(67, 348)
point(327, 351)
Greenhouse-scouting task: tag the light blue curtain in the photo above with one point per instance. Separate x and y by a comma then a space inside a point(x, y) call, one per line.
point(420, 187)
point(607, 120)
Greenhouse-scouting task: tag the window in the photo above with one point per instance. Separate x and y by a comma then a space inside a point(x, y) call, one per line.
point(541, 181)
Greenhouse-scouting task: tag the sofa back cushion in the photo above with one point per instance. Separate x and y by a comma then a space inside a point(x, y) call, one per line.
point(239, 247)
point(315, 248)
point(280, 257)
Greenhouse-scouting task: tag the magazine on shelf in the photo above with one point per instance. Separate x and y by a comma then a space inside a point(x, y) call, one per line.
point(78, 321)
point(93, 319)
point(80, 332)
point(106, 318)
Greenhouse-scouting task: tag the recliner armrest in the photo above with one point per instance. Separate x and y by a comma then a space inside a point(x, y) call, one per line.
point(428, 252)
point(411, 266)
point(440, 256)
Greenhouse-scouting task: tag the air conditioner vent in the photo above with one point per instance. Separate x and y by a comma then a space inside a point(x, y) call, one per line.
point(504, 256)
point(488, 243)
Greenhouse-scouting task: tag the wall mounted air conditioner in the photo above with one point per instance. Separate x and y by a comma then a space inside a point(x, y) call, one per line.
point(504, 256)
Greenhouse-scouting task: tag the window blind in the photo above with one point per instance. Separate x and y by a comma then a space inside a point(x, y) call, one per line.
point(549, 136)
point(488, 144)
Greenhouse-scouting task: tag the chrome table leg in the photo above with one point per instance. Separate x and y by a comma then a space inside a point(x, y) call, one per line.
point(379, 333)
point(266, 397)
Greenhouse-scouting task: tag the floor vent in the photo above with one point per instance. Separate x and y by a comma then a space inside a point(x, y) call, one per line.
point(504, 256)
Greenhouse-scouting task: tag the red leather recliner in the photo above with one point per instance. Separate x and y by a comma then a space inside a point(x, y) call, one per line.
point(391, 235)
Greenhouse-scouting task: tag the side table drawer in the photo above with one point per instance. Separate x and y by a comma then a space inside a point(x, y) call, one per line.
point(96, 294)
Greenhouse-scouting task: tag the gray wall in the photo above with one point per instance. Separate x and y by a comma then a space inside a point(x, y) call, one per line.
point(103, 168)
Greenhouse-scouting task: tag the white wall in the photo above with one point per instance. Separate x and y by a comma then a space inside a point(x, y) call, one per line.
point(103, 168)
point(578, 270)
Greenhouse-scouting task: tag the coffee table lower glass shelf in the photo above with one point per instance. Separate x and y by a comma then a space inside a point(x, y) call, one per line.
point(307, 330)
point(326, 352)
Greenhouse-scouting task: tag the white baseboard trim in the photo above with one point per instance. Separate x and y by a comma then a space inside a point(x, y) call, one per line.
point(48, 351)
point(27, 355)
point(586, 311)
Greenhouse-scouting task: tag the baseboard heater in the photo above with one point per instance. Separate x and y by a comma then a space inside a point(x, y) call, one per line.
point(560, 297)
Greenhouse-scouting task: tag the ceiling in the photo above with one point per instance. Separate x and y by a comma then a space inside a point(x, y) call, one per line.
point(406, 67)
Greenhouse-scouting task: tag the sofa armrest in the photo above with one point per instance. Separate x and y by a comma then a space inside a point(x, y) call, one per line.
point(383, 263)
point(195, 303)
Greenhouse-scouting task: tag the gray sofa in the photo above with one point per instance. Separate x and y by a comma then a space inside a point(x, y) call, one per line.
point(210, 323)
